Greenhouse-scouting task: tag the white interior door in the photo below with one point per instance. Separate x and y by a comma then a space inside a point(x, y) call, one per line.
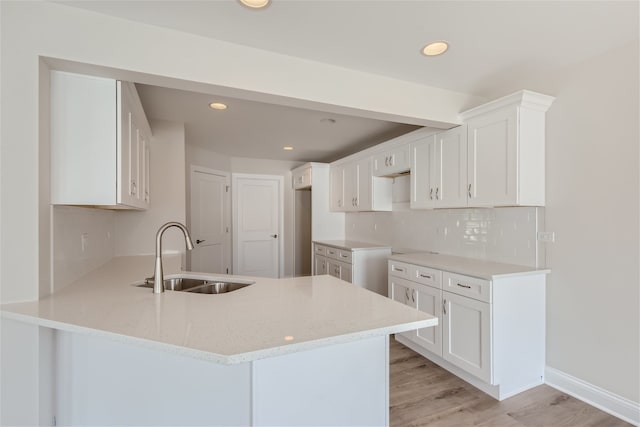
point(257, 225)
point(210, 221)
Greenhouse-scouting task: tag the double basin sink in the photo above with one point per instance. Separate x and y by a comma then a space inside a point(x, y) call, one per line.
point(197, 285)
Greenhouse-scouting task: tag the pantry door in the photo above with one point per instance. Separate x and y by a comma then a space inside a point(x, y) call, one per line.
point(257, 225)
point(210, 221)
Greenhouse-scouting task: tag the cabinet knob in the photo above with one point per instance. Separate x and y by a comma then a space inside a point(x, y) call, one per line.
point(275, 236)
point(198, 241)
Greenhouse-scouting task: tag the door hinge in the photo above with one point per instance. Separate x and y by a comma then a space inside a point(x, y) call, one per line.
point(226, 189)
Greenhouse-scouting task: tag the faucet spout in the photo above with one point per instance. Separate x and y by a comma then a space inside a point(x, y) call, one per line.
point(158, 275)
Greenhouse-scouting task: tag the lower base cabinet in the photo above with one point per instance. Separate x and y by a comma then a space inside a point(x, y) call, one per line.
point(362, 264)
point(491, 333)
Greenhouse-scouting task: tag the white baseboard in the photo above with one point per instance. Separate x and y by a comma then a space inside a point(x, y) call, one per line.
point(613, 404)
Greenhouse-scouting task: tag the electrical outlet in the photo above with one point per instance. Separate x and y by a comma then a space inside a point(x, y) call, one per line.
point(546, 236)
point(84, 241)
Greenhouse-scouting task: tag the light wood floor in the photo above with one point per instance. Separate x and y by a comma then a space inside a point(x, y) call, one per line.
point(423, 394)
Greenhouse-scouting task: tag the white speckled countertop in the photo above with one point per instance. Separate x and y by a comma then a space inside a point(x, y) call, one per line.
point(248, 324)
point(351, 244)
point(469, 267)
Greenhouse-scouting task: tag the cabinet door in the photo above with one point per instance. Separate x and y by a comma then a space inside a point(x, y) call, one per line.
point(423, 173)
point(466, 335)
point(147, 172)
point(400, 291)
point(451, 168)
point(492, 163)
point(130, 156)
point(351, 178)
point(320, 265)
point(336, 201)
point(333, 268)
point(363, 192)
point(302, 178)
point(429, 300)
point(346, 272)
point(392, 162)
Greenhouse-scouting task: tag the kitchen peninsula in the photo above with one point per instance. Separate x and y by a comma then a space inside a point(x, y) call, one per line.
point(299, 351)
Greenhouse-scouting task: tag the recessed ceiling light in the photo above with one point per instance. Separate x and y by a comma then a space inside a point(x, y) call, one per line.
point(287, 148)
point(218, 106)
point(255, 4)
point(435, 48)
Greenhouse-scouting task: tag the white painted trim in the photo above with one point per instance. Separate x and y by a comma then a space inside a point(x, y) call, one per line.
point(234, 212)
point(611, 403)
point(525, 98)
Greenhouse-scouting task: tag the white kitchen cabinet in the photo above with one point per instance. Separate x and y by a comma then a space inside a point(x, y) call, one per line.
point(99, 143)
point(302, 177)
point(506, 151)
point(466, 330)
point(354, 189)
point(491, 330)
point(392, 162)
point(426, 299)
point(336, 193)
point(363, 264)
point(439, 170)
point(320, 265)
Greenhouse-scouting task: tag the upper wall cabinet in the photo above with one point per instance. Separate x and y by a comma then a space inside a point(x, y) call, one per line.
point(99, 143)
point(506, 151)
point(439, 170)
point(354, 189)
point(302, 177)
point(392, 162)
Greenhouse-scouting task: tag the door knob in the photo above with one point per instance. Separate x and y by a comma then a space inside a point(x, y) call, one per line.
point(275, 236)
point(198, 241)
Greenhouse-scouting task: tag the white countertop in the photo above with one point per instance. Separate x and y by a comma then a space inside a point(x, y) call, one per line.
point(351, 245)
point(240, 326)
point(469, 267)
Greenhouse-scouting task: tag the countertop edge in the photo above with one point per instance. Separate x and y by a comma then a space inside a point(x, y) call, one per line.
point(215, 357)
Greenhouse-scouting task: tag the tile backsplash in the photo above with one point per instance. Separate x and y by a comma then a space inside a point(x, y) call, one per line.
point(498, 234)
point(83, 239)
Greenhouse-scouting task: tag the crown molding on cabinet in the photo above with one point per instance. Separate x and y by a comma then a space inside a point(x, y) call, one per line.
point(526, 98)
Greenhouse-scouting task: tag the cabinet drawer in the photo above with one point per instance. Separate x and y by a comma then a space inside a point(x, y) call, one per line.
point(344, 256)
point(471, 287)
point(332, 252)
point(320, 250)
point(400, 269)
point(427, 276)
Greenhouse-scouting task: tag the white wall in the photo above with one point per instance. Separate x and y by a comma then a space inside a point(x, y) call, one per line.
point(593, 323)
point(136, 230)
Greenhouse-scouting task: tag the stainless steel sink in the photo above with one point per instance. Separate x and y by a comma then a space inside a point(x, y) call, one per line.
point(201, 286)
point(218, 288)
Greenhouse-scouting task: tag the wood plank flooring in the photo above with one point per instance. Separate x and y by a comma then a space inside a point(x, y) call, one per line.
point(424, 394)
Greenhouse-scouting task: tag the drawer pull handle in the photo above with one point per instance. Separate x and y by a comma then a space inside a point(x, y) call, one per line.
point(406, 294)
point(444, 306)
point(413, 295)
point(401, 270)
point(464, 286)
point(426, 276)
point(344, 256)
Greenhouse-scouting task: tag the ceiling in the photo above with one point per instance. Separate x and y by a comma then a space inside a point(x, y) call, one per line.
point(495, 47)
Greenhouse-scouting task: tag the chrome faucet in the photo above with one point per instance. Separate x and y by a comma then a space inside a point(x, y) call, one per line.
point(158, 276)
